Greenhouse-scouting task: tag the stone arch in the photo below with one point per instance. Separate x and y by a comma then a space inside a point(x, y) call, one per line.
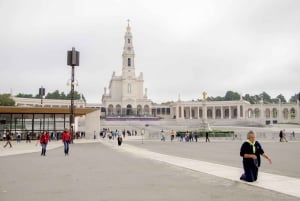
point(118, 110)
point(274, 113)
point(200, 113)
point(268, 113)
point(250, 113)
point(146, 110)
point(293, 113)
point(226, 113)
point(285, 113)
point(209, 113)
point(235, 113)
point(256, 113)
point(139, 110)
point(129, 110)
point(218, 113)
point(110, 110)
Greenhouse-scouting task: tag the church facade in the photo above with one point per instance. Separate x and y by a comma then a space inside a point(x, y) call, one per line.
point(126, 95)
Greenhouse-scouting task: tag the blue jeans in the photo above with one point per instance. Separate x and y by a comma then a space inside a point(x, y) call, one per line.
point(44, 146)
point(66, 147)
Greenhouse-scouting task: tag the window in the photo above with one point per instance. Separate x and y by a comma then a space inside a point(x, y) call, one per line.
point(128, 40)
point(129, 62)
point(129, 88)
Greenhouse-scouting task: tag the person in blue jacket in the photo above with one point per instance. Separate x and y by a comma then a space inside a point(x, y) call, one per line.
point(251, 150)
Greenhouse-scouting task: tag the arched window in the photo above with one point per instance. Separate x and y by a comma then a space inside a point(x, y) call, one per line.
point(129, 62)
point(128, 40)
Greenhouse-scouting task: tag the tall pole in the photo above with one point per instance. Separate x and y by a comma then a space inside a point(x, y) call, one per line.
point(73, 60)
point(72, 117)
point(42, 94)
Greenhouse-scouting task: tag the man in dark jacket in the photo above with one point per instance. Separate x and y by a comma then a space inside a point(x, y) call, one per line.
point(251, 151)
point(8, 138)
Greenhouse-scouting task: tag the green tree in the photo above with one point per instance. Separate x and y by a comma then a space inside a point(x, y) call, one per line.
point(249, 98)
point(294, 98)
point(76, 96)
point(53, 95)
point(6, 100)
point(20, 95)
point(230, 96)
point(282, 98)
point(266, 97)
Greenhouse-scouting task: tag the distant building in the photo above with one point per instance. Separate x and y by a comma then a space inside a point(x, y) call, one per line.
point(30, 115)
point(126, 98)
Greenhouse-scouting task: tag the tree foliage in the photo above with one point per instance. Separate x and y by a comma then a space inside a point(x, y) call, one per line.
point(294, 98)
point(231, 96)
point(20, 95)
point(253, 99)
point(6, 100)
point(54, 95)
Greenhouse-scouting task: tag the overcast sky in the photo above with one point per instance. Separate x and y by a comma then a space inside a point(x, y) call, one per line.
point(182, 47)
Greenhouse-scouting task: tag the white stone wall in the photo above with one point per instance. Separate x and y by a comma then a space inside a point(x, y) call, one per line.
point(92, 124)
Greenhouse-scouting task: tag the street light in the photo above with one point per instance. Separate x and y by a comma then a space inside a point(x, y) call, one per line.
point(72, 60)
point(42, 94)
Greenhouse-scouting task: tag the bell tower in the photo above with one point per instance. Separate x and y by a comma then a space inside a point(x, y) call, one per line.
point(128, 69)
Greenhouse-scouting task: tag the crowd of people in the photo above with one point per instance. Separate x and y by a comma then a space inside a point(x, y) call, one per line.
point(188, 136)
point(43, 138)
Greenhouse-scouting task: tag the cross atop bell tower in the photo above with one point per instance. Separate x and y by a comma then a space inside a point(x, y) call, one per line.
point(128, 67)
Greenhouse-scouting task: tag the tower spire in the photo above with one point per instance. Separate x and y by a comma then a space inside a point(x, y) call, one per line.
point(128, 25)
point(128, 69)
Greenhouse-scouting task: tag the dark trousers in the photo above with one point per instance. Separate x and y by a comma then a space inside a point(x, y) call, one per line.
point(66, 147)
point(251, 172)
point(8, 142)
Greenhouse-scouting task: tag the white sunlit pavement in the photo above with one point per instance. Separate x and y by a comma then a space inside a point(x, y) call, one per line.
point(274, 182)
point(33, 146)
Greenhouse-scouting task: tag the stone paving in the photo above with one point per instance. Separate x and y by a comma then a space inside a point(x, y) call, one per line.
point(145, 170)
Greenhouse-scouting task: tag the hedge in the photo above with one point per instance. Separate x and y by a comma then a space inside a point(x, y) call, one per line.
point(202, 133)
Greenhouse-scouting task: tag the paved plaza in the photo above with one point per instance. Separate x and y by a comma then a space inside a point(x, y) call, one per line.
point(146, 170)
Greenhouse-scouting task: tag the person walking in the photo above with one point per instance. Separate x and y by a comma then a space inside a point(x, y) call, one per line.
point(8, 139)
point(172, 133)
point(284, 136)
point(18, 137)
point(28, 138)
point(251, 151)
point(44, 139)
point(206, 137)
point(280, 136)
point(119, 139)
point(66, 138)
point(196, 136)
point(162, 133)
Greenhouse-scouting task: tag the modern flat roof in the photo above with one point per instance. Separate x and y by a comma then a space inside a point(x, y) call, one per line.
point(44, 110)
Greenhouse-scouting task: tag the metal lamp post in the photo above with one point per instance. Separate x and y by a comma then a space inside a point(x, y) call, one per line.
point(73, 60)
point(42, 94)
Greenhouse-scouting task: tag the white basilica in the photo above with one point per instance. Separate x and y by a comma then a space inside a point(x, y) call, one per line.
point(126, 97)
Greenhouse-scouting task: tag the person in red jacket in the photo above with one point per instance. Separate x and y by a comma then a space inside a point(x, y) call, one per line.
point(66, 138)
point(44, 139)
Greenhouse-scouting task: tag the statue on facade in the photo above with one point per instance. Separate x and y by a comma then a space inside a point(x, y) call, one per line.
point(204, 95)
